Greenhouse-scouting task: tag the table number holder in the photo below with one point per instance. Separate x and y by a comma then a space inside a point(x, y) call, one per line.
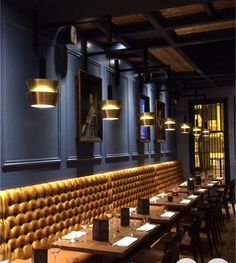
point(101, 230)
point(143, 206)
point(124, 216)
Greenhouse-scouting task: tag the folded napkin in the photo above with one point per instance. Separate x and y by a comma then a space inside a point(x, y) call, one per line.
point(146, 227)
point(168, 214)
point(214, 182)
point(153, 199)
point(183, 184)
point(201, 190)
point(185, 201)
point(210, 184)
point(74, 234)
point(125, 241)
point(132, 210)
point(5, 261)
point(192, 196)
point(162, 194)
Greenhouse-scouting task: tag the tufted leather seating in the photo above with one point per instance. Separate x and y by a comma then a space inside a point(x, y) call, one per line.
point(33, 215)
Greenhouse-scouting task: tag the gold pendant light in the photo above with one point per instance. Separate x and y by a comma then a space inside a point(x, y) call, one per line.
point(185, 128)
point(147, 118)
point(196, 130)
point(111, 109)
point(43, 93)
point(170, 124)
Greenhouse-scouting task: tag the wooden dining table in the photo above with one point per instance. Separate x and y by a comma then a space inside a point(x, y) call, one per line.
point(178, 203)
point(109, 249)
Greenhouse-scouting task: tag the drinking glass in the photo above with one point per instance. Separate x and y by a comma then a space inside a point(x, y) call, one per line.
point(146, 219)
point(55, 250)
point(84, 225)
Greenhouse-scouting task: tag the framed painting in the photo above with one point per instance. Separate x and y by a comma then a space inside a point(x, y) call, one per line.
point(88, 101)
point(159, 121)
point(143, 132)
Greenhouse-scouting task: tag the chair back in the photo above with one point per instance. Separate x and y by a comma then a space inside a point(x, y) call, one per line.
point(172, 253)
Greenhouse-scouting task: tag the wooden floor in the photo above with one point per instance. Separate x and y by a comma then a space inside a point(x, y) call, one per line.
point(227, 249)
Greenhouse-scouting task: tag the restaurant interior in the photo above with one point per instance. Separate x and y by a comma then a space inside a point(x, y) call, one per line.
point(117, 131)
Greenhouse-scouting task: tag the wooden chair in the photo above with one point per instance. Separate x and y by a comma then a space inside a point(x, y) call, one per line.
point(191, 237)
point(230, 197)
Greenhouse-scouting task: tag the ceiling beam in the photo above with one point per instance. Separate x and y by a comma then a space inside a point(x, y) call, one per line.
point(73, 10)
point(152, 17)
point(199, 19)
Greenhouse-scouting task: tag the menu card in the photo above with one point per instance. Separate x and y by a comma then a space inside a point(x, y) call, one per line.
point(201, 190)
point(74, 235)
point(143, 206)
point(168, 214)
point(185, 201)
point(146, 227)
point(192, 196)
point(124, 216)
point(101, 230)
point(40, 256)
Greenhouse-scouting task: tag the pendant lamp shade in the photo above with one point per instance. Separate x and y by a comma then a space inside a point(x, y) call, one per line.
point(147, 118)
point(170, 124)
point(185, 128)
point(196, 131)
point(205, 132)
point(43, 93)
point(111, 109)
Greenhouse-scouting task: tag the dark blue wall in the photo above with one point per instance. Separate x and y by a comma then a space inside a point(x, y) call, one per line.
point(39, 145)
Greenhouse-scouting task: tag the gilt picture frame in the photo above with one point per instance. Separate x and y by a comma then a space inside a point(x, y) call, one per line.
point(88, 113)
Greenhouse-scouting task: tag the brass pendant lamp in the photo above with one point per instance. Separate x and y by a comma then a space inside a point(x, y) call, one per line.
point(170, 123)
point(42, 92)
point(146, 118)
point(110, 108)
point(185, 127)
point(196, 130)
point(205, 131)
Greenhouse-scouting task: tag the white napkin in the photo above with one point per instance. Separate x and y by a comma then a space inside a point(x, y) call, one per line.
point(132, 210)
point(146, 227)
point(168, 214)
point(183, 184)
point(162, 194)
point(125, 241)
point(214, 182)
point(201, 190)
point(74, 234)
point(210, 184)
point(153, 199)
point(5, 261)
point(192, 196)
point(185, 201)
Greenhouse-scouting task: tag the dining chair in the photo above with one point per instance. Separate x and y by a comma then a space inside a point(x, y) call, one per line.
point(230, 197)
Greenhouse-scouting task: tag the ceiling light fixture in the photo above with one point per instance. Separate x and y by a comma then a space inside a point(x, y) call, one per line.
point(147, 118)
point(110, 108)
point(170, 123)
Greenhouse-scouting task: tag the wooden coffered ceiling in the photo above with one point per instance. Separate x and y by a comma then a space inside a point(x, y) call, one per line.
point(196, 38)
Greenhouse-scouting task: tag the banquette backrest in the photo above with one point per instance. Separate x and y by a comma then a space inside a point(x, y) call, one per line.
point(31, 216)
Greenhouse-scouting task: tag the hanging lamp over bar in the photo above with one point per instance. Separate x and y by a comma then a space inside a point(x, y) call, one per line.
point(147, 118)
point(43, 93)
point(196, 130)
point(170, 123)
point(185, 127)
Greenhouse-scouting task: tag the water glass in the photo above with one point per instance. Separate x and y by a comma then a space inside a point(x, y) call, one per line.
point(55, 250)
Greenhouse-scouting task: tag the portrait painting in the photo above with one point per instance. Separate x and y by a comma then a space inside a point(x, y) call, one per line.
point(143, 132)
point(88, 113)
point(159, 121)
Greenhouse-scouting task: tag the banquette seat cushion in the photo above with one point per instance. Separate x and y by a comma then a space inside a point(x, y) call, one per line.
point(32, 216)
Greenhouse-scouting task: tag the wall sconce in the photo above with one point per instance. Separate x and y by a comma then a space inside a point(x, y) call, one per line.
point(147, 118)
point(43, 93)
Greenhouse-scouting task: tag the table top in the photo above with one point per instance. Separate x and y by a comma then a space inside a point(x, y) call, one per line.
point(107, 248)
point(156, 217)
point(177, 201)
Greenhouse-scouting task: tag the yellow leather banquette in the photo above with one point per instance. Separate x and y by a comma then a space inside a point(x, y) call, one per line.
point(32, 216)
